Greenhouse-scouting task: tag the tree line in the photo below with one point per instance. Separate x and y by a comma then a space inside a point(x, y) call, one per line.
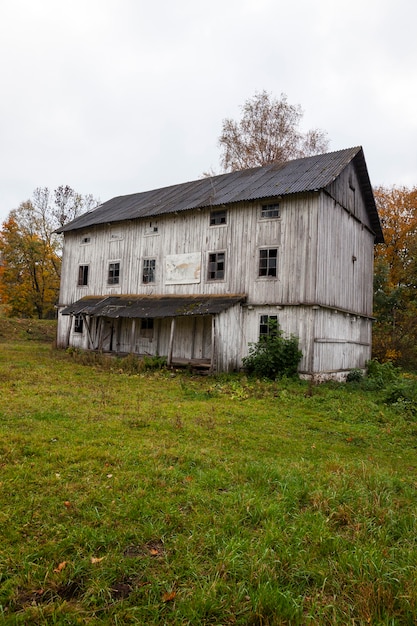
point(267, 132)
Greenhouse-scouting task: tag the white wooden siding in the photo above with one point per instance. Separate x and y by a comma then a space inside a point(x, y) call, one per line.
point(325, 259)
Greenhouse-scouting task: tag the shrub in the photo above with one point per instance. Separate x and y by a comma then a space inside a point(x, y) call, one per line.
point(403, 395)
point(354, 376)
point(273, 356)
point(382, 374)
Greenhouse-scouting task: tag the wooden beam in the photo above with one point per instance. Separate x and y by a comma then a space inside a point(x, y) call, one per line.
point(171, 342)
point(68, 332)
point(213, 343)
point(132, 335)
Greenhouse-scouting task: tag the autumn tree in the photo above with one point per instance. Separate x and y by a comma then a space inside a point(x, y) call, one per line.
point(30, 251)
point(268, 132)
point(395, 281)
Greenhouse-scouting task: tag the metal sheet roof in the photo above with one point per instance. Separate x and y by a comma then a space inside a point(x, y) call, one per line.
point(301, 175)
point(131, 306)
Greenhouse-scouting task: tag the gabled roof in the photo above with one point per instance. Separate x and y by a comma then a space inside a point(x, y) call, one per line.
point(297, 176)
point(152, 306)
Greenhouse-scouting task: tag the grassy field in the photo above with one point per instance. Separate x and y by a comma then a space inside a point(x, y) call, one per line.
point(162, 498)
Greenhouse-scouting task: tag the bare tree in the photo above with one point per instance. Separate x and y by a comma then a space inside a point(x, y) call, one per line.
point(267, 133)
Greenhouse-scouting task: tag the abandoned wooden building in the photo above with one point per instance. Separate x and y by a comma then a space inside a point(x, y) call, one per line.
point(197, 271)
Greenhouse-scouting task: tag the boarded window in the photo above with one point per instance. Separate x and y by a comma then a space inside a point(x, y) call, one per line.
point(268, 326)
point(216, 266)
point(268, 262)
point(149, 267)
point(146, 327)
point(82, 275)
point(270, 211)
point(151, 228)
point(218, 217)
point(114, 274)
point(78, 324)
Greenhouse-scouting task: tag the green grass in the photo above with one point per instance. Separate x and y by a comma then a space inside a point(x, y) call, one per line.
point(162, 498)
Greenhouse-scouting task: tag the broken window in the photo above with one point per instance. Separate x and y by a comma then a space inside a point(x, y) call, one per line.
point(146, 327)
point(218, 217)
point(114, 274)
point(151, 228)
point(78, 324)
point(268, 326)
point(149, 267)
point(270, 211)
point(216, 266)
point(82, 275)
point(268, 262)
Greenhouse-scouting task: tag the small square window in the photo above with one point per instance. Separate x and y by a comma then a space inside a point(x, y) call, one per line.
point(114, 274)
point(268, 262)
point(268, 326)
point(270, 211)
point(151, 228)
point(216, 266)
point(146, 327)
point(218, 217)
point(85, 240)
point(149, 267)
point(78, 324)
point(82, 275)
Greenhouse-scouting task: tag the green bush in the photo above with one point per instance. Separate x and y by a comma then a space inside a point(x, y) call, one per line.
point(381, 374)
point(354, 376)
point(273, 356)
point(403, 396)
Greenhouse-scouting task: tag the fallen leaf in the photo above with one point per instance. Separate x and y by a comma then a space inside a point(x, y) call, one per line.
point(168, 596)
point(61, 566)
point(109, 475)
point(153, 551)
point(95, 559)
point(67, 503)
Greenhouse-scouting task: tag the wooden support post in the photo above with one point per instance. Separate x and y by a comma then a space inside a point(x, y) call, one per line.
point(132, 335)
point(68, 332)
point(213, 344)
point(90, 339)
point(171, 342)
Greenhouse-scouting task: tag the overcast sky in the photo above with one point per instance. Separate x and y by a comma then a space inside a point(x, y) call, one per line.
point(115, 97)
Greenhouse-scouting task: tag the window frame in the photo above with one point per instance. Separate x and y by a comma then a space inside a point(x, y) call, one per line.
point(83, 271)
point(265, 268)
point(78, 323)
point(149, 273)
point(268, 209)
point(147, 325)
point(214, 271)
point(265, 327)
point(113, 274)
point(218, 217)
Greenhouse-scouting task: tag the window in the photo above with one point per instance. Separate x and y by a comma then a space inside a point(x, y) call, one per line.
point(85, 240)
point(146, 327)
point(78, 324)
point(82, 275)
point(216, 266)
point(270, 211)
point(148, 274)
point(151, 228)
point(114, 274)
point(218, 217)
point(268, 326)
point(268, 262)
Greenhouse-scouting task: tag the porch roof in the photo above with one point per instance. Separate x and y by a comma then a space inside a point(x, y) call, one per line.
point(156, 306)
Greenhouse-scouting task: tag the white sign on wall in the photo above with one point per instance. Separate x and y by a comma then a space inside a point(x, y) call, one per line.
point(183, 269)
